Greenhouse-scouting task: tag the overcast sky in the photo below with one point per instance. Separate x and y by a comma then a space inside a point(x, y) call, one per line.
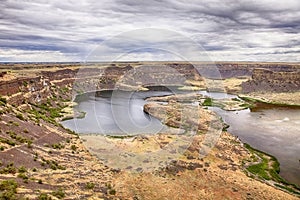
point(79, 30)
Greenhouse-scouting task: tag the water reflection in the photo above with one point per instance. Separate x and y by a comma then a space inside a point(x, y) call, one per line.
point(275, 130)
point(115, 113)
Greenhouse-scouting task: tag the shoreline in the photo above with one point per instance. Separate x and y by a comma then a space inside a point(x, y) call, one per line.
point(277, 102)
point(248, 167)
point(269, 175)
point(274, 179)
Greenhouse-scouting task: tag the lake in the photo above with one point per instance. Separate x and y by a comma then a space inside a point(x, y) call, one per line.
point(274, 130)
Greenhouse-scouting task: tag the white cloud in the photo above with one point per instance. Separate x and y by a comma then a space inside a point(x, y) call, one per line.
point(228, 29)
point(16, 55)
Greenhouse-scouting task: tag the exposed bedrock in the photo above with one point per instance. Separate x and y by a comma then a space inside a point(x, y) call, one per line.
point(184, 116)
point(272, 81)
point(25, 82)
point(228, 70)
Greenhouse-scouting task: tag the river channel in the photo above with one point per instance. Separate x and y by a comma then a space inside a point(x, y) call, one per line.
point(275, 130)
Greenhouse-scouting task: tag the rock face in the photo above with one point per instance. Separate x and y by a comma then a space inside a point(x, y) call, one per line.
point(278, 77)
point(272, 81)
point(35, 82)
point(229, 70)
point(34, 85)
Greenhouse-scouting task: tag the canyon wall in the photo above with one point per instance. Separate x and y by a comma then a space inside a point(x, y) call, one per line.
point(25, 83)
point(265, 80)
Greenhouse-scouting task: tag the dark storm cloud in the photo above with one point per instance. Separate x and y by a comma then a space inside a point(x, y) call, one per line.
point(227, 30)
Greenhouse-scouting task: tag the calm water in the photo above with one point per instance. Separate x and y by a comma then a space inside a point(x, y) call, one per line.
point(116, 113)
point(217, 95)
point(273, 130)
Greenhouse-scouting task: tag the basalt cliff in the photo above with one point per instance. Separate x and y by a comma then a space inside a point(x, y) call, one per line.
point(273, 81)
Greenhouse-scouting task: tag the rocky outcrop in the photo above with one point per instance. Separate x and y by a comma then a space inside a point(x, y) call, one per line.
point(272, 81)
point(12, 86)
point(187, 117)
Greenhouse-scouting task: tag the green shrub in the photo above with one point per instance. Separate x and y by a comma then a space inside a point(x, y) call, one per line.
point(57, 146)
point(112, 192)
point(208, 102)
point(8, 185)
point(260, 169)
point(236, 99)
point(16, 124)
point(29, 143)
point(11, 143)
point(3, 101)
point(24, 177)
point(61, 167)
point(59, 193)
point(53, 166)
point(73, 147)
point(20, 139)
point(9, 169)
point(22, 169)
point(7, 141)
point(20, 116)
point(287, 188)
point(44, 196)
point(90, 185)
point(8, 189)
point(12, 134)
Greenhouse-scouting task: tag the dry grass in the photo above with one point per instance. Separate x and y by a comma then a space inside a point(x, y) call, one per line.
point(292, 98)
point(208, 182)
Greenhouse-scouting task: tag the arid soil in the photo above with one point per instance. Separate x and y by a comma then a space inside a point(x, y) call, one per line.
point(217, 176)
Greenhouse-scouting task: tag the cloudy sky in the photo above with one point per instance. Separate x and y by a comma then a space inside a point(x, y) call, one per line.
point(80, 30)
